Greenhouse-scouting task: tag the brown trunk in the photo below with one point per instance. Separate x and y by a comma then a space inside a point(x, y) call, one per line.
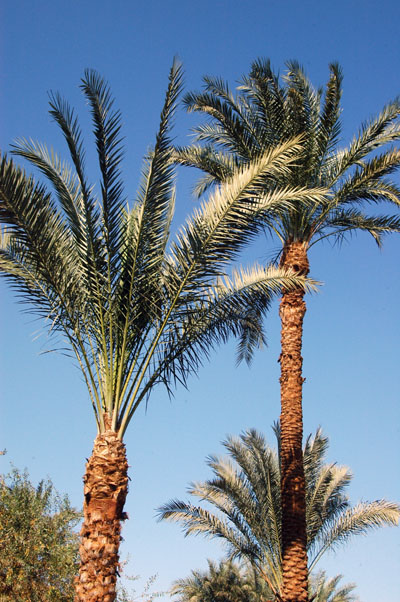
point(105, 489)
point(294, 536)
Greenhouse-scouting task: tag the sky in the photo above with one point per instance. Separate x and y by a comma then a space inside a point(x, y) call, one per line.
point(351, 331)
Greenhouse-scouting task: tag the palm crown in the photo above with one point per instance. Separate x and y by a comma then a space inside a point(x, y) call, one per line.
point(265, 113)
point(245, 491)
point(135, 308)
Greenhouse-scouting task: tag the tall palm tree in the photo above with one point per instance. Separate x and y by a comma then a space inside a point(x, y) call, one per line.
point(134, 308)
point(265, 112)
point(245, 491)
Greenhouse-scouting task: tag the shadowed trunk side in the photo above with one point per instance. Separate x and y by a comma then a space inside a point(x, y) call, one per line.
point(105, 490)
point(294, 534)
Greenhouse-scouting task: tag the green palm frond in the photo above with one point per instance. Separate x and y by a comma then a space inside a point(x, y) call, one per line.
point(374, 134)
point(65, 117)
point(346, 221)
point(217, 166)
point(329, 127)
point(218, 103)
point(61, 176)
point(367, 183)
point(233, 306)
point(230, 582)
point(37, 239)
point(219, 229)
point(355, 521)
point(326, 499)
point(107, 132)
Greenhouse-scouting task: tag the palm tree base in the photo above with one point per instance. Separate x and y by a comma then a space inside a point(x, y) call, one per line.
point(105, 490)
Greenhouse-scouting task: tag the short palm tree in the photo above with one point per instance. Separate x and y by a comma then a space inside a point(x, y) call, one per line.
point(134, 308)
point(324, 589)
point(226, 582)
point(265, 113)
point(232, 583)
point(245, 491)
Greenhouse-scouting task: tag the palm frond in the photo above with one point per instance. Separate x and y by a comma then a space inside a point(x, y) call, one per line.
point(64, 181)
point(346, 221)
point(374, 134)
point(355, 521)
point(323, 589)
point(367, 183)
point(38, 236)
point(219, 104)
point(329, 126)
point(107, 132)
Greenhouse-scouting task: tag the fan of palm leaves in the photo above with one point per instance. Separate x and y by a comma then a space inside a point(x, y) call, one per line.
point(245, 492)
point(136, 308)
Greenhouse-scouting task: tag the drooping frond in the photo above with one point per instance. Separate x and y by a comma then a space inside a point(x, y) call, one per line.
point(217, 166)
point(36, 255)
point(61, 176)
point(355, 521)
point(233, 306)
point(343, 222)
point(219, 228)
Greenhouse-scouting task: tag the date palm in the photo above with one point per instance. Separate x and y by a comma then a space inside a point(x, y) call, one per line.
point(324, 589)
point(245, 492)
point(232, 583)
point(226, 582)
point(134, 308)
point(265, 112)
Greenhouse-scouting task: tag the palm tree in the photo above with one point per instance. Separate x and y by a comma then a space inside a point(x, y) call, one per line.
point(323, 589)
point(232, 583)
point(134, 308)
point(226, 582)
point(245, 491)
point(264, 113)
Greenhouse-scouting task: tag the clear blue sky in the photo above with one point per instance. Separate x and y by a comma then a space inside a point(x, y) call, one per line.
point(351, 346)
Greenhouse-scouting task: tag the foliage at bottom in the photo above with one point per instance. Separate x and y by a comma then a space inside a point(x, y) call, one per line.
point(38, 543)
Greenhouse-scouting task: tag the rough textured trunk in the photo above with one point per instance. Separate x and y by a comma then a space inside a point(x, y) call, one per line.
point(294, 536)
point(105, 489)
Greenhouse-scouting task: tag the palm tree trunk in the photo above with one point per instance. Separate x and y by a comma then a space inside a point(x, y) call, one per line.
point(105, 490)
point(294, 535)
